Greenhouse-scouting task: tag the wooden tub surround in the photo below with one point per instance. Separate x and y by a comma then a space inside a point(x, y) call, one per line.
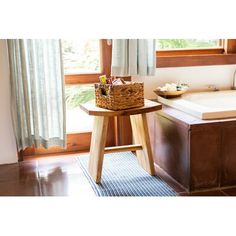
point(139, 125)
point(198, 154)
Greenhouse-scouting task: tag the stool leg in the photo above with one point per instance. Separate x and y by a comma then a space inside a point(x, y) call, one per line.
point(98, 142)
point(141, 136)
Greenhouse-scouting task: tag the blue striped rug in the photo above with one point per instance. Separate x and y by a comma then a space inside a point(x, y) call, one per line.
point(122, 176)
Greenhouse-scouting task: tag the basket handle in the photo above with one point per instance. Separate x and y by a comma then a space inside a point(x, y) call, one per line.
point(103, 91)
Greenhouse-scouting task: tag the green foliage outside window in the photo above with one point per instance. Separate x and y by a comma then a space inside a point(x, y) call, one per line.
point(78, 94)
point(185, 43)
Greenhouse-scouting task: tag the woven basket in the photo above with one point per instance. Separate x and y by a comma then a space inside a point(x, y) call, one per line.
point(119, 97)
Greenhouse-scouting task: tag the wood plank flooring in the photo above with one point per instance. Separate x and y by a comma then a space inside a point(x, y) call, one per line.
point(44, 176)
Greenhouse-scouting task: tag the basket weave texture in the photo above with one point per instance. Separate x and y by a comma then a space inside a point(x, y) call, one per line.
point(119, 97)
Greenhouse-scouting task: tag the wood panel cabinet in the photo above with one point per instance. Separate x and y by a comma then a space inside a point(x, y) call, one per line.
point(198, 154)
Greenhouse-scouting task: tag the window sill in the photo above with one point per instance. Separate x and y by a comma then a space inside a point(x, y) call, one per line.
point(194, 60)
point(82, 78)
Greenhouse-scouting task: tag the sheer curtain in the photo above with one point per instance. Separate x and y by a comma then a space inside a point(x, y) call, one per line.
point(133, 57)
point(37, 90)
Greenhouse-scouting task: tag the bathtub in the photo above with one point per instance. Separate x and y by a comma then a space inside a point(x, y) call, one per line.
point(205, 105)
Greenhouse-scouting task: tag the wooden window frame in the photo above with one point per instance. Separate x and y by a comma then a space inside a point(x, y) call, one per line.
point(224, 55)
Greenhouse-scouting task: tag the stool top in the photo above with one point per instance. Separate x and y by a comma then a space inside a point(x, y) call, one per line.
point(91, 109)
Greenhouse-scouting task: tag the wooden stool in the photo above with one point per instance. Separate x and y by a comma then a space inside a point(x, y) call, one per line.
point(139, 125)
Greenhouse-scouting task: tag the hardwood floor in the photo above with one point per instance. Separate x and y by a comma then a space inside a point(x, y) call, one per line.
point(44, 176)
point(62, 176)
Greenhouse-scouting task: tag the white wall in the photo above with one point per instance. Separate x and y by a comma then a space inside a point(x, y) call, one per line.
point(197, 77)
point(8, 151)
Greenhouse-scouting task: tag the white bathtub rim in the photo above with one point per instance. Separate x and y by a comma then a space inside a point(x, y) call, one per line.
point(200, 111)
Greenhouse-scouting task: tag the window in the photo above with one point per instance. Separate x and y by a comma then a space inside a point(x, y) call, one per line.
point(195, 52)
point(187, 43)
point(84, 61)
point(81, 56)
